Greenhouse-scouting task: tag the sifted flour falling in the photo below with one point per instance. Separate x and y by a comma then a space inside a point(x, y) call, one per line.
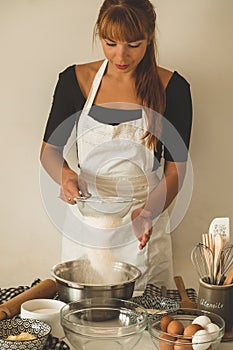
point(103, 269)
point(104, 221)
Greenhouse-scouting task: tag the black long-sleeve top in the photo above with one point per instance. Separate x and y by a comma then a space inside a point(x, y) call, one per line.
point(68, 101)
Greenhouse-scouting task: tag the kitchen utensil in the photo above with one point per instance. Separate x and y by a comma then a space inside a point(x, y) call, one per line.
point(208, 241)
point(185, 301)
point(104, 212)
point(164, 341)
point(44, 289)
point(227, 254)
point(221, 226)
point(103, 323)
point(202, 259)
point(105, 205)
point(17, 326)
point(73, 281)
point(226, 261)
point(99, 199)
point(218, 246)
point(229, 276)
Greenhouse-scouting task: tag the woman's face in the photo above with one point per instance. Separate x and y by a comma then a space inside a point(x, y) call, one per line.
point(124, 56)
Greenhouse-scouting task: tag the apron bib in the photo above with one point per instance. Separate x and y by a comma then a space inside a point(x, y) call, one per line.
point(114, 162)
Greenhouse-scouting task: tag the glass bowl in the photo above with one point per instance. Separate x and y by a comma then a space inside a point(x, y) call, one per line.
point(16, 326)
point(204, 340)
point(103, 323)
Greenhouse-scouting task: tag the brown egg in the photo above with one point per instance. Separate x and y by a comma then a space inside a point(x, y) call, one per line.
point(165, 320)
point(183, 344)
point(175, 327)
point(163, 345)
point(191, 329)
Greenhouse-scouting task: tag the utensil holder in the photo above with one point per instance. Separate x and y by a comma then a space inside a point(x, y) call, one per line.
point(217, 299)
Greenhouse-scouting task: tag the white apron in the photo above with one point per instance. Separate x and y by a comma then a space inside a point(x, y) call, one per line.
point(114, 162)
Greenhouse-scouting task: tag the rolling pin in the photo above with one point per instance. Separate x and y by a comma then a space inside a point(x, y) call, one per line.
point(44, 289)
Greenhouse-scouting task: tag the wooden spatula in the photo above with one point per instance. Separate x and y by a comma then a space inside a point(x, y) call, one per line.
point(185, 301)
point(229, 277)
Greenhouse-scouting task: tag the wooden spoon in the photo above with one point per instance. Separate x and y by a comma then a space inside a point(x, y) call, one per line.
point(229, 276)
point(185, 301)
point(218, 246)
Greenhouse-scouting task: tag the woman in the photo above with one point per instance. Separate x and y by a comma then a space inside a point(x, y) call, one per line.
point(122, 139)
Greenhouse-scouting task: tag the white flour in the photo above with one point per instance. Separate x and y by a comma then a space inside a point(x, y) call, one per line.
point(103, 268)
point(104, 221)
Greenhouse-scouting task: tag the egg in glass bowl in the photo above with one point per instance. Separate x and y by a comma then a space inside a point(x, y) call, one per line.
point(187, 329)
point(103, 323)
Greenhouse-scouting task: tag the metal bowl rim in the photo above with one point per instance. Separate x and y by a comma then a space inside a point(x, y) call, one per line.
point(81, 285)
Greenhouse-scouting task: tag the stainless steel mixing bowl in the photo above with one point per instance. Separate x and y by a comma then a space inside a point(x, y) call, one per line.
point(73, 286)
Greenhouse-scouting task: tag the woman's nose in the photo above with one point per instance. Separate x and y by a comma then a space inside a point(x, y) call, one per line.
point(122, 53)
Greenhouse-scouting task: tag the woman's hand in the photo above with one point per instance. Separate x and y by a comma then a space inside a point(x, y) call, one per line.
point(159, 199)
point(72, 186)
point(142, 225)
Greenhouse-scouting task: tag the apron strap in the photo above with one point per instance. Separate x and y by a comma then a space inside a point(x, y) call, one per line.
point(95, 86)
point(91, 96)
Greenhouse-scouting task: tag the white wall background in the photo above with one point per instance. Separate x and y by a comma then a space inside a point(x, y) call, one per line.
point(38, 39)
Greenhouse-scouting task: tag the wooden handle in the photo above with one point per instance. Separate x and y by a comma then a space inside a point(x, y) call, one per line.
point(2, 315)
point(181, 287)
point(218, 246)
point(229, 277)
point(44, 289)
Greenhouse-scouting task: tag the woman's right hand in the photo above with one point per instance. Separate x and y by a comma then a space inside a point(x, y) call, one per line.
point(72, 187)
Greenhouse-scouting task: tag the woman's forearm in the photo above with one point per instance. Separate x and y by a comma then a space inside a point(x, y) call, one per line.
point(53, 162)
point(163, 195)
point(58, 169)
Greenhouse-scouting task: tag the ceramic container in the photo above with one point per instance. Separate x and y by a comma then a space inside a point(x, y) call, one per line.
point(17, 326)
point(47, 310)
point(217, 299)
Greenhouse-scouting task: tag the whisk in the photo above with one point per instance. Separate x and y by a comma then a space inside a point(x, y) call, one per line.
point(226, 261)
point(203, 261)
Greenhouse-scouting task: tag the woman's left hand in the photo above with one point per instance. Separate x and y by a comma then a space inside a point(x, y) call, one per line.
point(142, 225)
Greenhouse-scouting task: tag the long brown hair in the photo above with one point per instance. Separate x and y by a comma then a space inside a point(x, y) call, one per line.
point(133, 20)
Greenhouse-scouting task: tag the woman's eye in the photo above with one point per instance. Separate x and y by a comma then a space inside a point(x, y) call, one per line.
point(134, 46)
point(110, 44)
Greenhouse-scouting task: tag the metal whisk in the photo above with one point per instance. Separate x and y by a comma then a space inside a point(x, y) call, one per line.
point(203, 261)
point(226, 261)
